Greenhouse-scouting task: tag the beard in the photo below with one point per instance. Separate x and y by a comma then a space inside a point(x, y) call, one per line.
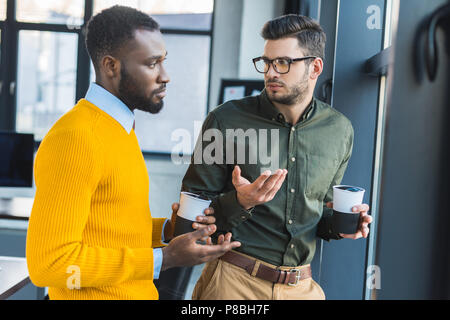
point(295, 93)
point(133, 96)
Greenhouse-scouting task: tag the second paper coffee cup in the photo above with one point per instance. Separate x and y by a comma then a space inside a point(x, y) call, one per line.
point(344, 199)
point(191, 206)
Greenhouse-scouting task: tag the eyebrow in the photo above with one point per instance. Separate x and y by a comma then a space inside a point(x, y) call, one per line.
point(157, 57)
point(284, 57)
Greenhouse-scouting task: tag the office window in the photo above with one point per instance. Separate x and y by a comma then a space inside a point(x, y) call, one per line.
point(49, 72)
point(46, 79)
point(188, 67)
point(69, 12)
point(186, 25)
point(2, 9)
point(170, 14)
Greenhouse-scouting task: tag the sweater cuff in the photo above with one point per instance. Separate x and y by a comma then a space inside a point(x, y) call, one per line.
point(157, 232)
point(143, 262)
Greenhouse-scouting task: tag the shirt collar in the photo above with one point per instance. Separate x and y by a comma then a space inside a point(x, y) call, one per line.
point(112, 105)
point(268, 109)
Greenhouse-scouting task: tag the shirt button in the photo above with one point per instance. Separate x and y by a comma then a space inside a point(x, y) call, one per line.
point(292, 246)
point(293, 159)
point(290, 221)
point(243, 217)
point(292, 190)
point(292, 129)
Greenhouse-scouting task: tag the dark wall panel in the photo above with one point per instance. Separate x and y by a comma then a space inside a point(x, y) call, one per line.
point(413, 241)
point(355, 94)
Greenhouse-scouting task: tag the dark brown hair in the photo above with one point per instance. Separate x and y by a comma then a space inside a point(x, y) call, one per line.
point(308, 32)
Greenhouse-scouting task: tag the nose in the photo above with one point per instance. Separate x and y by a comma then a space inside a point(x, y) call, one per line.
point(272, 73)
point(163, 75)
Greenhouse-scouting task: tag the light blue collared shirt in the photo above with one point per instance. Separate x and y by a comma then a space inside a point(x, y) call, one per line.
point(113, 106)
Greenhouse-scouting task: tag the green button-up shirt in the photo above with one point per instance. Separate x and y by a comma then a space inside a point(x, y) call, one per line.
point(315, 151)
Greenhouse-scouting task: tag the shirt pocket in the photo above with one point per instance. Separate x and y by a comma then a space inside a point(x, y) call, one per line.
point(320, 171)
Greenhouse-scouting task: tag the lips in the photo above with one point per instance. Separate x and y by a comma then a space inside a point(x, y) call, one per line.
point(161, 93)
point(274, 86)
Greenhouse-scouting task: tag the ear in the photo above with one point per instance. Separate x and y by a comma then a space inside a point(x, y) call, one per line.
point(316, 68)
point(110, 66)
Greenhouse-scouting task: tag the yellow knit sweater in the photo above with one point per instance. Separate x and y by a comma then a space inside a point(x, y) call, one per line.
point(91, 234)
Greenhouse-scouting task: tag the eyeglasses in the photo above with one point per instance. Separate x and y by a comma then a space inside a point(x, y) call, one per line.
point(280, 65)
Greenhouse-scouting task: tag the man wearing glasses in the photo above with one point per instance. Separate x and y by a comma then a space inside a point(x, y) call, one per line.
point(277, 217)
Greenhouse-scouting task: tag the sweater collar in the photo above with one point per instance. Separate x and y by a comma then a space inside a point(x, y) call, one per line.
point(112, 105)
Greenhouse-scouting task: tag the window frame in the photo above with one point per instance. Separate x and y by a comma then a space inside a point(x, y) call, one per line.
point(10, 29)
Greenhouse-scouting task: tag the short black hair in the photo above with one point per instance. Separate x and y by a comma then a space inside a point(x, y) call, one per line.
point(308, 32)
point(112, 28)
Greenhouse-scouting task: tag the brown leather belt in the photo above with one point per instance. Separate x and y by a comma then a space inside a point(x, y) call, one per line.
point(255, 268)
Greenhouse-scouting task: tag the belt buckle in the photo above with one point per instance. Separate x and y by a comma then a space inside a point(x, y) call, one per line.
point(298, 275)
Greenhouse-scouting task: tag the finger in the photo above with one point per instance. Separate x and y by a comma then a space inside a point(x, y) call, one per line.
point(209, 211)
point(365, 232)
point(209, 241)
point(270, 183)
point(365, 219)
point(277, 186)
point(361, 208)
point(228, 237)
point(206, 219)
point(368, 219)
point(215, 251)
point(236, 176)
point(220, 239)
point(259, 182)
point(175, 207)
point(330, 204)
point(198, 226)
point(353, 236)
point(206, 231)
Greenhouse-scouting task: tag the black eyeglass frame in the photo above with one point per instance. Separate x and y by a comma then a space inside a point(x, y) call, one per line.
point(270, 61)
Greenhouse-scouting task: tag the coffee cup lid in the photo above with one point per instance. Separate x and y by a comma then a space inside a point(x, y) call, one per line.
point(196, 196)
point(349, 188)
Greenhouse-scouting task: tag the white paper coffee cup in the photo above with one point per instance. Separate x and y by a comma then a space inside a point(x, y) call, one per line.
point(345, 197)
point(191, 206)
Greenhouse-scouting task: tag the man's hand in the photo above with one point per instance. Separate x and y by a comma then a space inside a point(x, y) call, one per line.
point(261, 190)
point(185, 251)
point(202, 221)
point(364, 220)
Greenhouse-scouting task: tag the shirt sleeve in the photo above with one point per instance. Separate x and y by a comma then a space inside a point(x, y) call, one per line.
point(157, 253)
point(325, 226)
point(212, 179)
point(157, 258)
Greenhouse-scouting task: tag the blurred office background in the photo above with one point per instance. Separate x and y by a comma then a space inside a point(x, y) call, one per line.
point(378, 72)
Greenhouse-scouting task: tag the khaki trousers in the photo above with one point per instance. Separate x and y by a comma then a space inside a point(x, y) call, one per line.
point(221, 280)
